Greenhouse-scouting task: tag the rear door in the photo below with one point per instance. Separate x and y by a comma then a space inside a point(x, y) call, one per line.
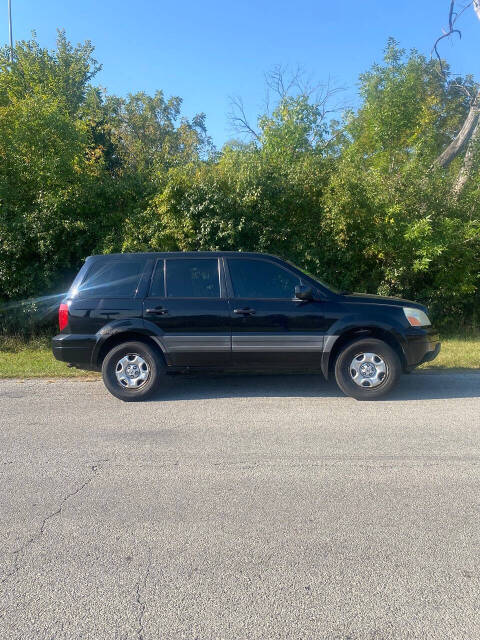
point(187, 302)
point(270, 327)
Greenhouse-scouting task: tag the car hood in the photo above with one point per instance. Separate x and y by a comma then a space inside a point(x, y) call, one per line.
point(368, 298)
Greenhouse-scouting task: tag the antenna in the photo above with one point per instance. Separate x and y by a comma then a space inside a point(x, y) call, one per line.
point(10, 28)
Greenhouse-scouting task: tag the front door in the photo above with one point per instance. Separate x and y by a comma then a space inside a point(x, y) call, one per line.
point(187, 302)
point(270, 327)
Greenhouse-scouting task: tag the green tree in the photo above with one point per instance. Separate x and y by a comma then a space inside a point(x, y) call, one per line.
point(262, 196)
point(397, 227)
point(76, 163)
point(50, 175)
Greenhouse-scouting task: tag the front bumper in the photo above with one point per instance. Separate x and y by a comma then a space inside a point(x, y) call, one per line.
point(431, 355)
point(422, 345)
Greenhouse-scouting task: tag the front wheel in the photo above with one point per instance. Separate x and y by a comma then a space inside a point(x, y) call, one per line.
point(131, 371)
point(367, 369)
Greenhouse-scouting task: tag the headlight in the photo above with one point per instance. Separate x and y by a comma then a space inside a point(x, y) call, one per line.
point(416, 317)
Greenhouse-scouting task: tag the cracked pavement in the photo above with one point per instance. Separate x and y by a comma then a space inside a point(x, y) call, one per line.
point(240, 507)
point(18, 553)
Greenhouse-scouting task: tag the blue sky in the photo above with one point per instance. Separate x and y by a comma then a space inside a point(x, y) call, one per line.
point(207, 51)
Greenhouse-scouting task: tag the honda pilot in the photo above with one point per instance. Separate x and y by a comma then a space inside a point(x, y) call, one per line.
point(137, 316)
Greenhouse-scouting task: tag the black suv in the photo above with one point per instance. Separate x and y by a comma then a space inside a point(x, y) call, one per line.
point(137, 316)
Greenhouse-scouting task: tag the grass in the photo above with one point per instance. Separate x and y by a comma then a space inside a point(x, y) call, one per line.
point(34, 359)
point(457, 352)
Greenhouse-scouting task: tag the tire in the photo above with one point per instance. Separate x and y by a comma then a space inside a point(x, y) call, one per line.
point(355, 376)
point(131, 371)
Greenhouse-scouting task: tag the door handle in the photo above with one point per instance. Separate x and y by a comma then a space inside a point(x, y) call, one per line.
point(157, 311)
point(245, 312)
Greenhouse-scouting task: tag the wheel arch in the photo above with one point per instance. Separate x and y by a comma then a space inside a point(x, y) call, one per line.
point(328, 364)
point(125, 336)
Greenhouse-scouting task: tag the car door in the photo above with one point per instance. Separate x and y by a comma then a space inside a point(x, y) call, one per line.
point(187, 302)
point(270, 327)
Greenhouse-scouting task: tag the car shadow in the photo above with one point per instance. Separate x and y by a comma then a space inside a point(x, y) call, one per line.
point(417, 386)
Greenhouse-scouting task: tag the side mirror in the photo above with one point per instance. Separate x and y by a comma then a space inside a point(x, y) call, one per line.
point(302, 292)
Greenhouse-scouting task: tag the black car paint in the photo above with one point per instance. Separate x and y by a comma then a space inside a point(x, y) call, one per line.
point(319, 325)
point(180, 322)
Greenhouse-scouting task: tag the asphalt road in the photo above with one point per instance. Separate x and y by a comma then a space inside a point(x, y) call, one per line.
point(239, 508)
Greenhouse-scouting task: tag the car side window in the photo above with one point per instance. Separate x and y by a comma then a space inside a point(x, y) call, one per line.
point(112, 279)
point(157, 288)
point(261, 279)
point(192, 278)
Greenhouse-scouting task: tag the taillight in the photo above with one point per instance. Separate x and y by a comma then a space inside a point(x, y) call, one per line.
point(63, 316)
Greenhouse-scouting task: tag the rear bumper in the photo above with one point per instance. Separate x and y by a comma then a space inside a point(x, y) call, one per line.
point(422, 345)
point(74, 349)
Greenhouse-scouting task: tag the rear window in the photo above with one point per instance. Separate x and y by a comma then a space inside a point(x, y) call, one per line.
point(191, 278)
point(112, 279)
point(78, 279)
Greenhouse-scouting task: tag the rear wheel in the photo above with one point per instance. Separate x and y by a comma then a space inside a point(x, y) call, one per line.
point(131, 371)
point(367, 369)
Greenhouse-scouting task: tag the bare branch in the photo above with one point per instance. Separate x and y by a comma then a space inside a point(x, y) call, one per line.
point(283, 85)
point(296, 84)
point(463, 89)
point(238, 118)
point(453, 16)
point(323, 98)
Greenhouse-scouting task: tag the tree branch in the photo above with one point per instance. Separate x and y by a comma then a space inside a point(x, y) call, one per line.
point(463, 136)
point(469, 133)
point(467, 166)
point(238, 118)
point(453, 16)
